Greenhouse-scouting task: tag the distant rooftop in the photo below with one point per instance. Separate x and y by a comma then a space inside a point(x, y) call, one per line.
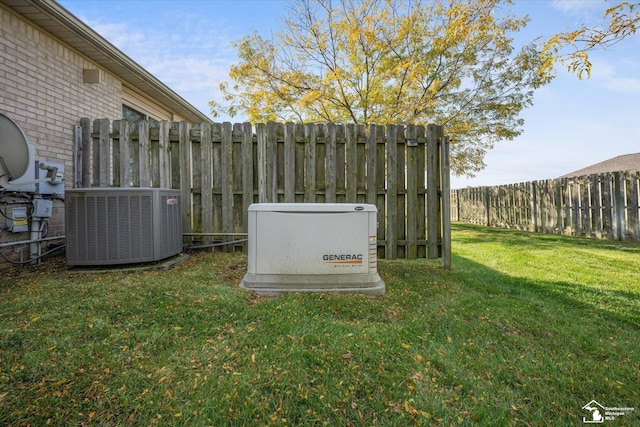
point(616, 164)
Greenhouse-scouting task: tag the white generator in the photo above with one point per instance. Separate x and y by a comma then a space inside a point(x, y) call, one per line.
point(312, 247)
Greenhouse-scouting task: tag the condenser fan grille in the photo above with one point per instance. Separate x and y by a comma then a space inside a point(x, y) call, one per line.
point(122, 226)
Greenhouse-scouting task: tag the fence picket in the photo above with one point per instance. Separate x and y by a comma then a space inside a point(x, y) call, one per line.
point(413, 217)
point(185, 175)
point(392, 192)
point(206, 182)
point(632, 204)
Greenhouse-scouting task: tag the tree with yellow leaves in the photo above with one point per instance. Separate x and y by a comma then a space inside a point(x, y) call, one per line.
point(572, 48)
point(451, 63)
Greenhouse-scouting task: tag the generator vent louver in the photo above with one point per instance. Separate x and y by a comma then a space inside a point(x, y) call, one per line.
point(122, 225)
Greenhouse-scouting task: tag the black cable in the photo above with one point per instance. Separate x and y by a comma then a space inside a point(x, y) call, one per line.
point(32, 259)
point(24, 196)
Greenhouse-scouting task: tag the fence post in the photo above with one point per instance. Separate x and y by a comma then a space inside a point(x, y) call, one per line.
point(446, 201)
point(432, 191)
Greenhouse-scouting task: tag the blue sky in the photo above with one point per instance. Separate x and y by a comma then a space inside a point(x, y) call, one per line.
point(572, 123)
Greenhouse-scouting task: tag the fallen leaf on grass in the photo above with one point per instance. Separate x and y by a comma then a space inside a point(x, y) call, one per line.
point(347, 355)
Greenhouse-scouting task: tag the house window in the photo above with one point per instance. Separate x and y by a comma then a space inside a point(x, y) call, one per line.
point(136, 116)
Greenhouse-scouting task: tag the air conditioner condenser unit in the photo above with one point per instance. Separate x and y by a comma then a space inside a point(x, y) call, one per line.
point(108, 226)
point(312, 247)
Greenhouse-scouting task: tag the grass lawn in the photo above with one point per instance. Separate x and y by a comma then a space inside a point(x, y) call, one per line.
point(525, 329)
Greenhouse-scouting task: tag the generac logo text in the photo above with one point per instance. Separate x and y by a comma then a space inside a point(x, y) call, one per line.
point(343, 258)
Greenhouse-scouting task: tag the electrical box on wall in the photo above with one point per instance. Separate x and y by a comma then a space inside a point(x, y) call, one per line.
point(17, 220)
point(42, 208)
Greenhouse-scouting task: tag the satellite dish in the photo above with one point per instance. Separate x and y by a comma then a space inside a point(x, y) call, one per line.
point(14, 151)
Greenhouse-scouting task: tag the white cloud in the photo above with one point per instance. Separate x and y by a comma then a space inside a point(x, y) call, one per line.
point(192, 61)
point(579, 7)
point(619, 77)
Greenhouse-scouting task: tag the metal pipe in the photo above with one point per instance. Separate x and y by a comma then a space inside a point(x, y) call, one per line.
point(34, 246)
point(26, 242)
point(213, 245)
point(215, 234)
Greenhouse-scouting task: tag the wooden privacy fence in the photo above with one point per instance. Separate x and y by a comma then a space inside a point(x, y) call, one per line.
point(602, 206)
point(221, 168)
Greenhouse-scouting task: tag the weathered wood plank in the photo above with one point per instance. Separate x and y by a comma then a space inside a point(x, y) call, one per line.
point(432, 191)
point(371, 156)
point(310, 163)
point(299, 175)
point(361, 155)
point(596, 205)
point(421, 227)
point(227, 178)
point(101, 153)
point(278, 191)
point(124, 153)
point(144, 145)
point(272, 162)
point(412, 192)
point(85, 124)
point(261, 135)
point(401, 191)
point(185, 175)
point(379, 184)
point(619, 206)
point(206, 181)
point(115, 156)
point(247, 170)
point(217, 177)
point(174, 159)
point(446, 205)
point(289, 163)
point(196, 183)
point(341, 162)
point(392, 192)
point(607, 213)
point(632, 205)
point(330, 162)
point(321, 170)
point(351, 153)
point(163, 155)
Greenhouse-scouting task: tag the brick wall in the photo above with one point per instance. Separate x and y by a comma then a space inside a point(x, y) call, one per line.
point(42, 90)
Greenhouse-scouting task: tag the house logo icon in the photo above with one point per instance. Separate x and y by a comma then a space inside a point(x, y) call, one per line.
point(596, 412)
